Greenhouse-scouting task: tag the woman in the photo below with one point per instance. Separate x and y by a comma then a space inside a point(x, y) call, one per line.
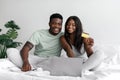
point(77, 46)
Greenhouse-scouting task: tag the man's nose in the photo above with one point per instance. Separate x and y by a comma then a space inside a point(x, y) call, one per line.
point(57, 25)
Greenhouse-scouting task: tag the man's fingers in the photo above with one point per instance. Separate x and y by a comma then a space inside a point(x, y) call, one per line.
point(28, 68)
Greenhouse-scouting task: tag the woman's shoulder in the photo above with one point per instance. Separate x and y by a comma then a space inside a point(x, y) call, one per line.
point(62, 37)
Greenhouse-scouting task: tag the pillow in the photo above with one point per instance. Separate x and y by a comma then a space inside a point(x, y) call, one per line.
point(110, 52)
point(14, 56)
point(61, 66)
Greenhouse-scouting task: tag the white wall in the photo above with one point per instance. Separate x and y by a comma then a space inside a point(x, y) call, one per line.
point(100, 18)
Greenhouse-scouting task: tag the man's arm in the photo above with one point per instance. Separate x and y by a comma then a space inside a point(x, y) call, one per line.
point(66, 47)
point(24, 54)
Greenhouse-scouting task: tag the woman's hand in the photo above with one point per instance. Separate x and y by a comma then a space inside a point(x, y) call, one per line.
point(88, 43)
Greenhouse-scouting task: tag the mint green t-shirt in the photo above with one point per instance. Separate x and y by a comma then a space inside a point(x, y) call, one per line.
point(46, 44)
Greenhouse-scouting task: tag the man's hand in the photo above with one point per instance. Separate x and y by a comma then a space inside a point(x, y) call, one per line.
point(24, 54)
point(26, 67)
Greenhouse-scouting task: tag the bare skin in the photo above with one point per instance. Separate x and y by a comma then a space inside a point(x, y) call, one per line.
point(88, 43)
point(24, 54)
point(66, 47)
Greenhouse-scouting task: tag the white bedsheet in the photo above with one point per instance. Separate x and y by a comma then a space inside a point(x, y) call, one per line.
point(108, 70)
point(11, 72)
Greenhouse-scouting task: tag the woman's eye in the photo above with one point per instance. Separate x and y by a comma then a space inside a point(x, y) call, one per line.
point(73, 25)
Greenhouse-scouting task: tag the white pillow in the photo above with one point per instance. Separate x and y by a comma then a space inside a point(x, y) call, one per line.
point(14, 56)
point(112, 53)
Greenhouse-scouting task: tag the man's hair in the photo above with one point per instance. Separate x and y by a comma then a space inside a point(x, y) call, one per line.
point(56, 15)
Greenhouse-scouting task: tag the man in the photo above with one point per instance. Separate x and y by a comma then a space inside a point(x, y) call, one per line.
point(46, 42)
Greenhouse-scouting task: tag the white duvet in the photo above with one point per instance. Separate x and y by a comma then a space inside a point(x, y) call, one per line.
point(108, 70)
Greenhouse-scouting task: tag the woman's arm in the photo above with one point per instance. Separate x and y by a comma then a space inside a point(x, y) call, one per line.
point(66, 47)
point(88, 43)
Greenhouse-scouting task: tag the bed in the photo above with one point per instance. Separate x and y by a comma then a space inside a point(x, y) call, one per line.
point(108, 70)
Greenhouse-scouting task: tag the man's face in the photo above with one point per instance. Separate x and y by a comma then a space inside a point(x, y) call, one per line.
point(55, 26)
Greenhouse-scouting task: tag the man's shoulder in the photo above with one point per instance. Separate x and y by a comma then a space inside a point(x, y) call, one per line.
point(61, 33)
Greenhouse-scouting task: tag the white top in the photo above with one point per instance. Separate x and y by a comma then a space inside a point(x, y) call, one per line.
point(77, 54)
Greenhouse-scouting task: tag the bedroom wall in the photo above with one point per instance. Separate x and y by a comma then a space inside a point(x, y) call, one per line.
point(100, 18)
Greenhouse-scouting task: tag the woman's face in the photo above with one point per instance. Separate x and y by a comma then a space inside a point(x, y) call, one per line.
point(71, 26)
